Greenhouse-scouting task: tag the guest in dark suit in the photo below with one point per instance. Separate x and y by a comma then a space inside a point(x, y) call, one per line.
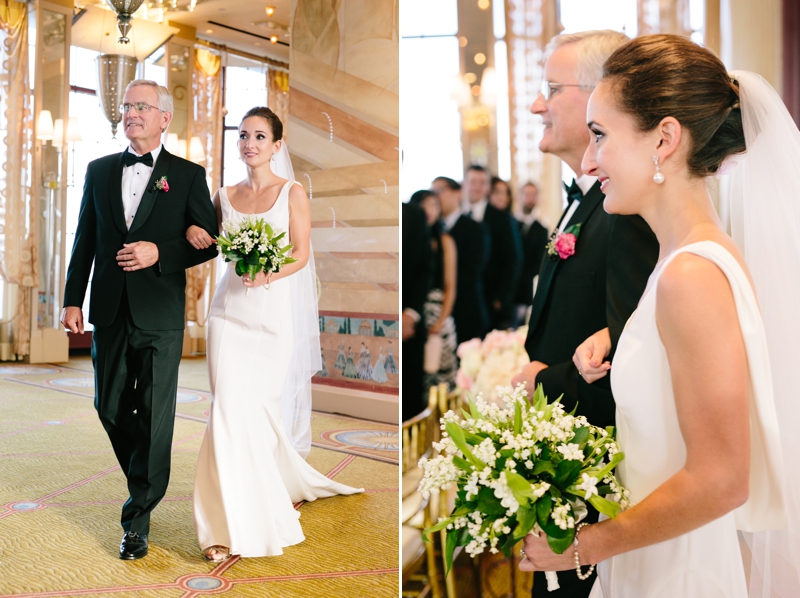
point(534, 240)
point(469, 311)
point(505, 252)
point(416, 283)
point(135, 210)
point(600, 284)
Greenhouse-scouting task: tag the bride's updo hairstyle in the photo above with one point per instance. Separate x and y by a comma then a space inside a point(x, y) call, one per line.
point(275, 124)
point(655, 76)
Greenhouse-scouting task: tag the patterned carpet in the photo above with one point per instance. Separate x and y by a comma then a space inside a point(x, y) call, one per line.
point(61, 491)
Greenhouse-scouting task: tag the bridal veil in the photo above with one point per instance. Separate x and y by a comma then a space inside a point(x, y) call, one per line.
point(760, 198)
point(306, 357)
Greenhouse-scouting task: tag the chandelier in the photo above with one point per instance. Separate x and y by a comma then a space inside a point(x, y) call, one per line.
point(124, 10)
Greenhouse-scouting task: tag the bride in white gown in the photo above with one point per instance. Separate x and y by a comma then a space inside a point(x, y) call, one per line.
point(262, 349)
point(705, 417)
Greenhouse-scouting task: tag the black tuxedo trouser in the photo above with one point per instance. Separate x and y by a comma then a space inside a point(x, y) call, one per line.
point(136, 385)
point(570, 585)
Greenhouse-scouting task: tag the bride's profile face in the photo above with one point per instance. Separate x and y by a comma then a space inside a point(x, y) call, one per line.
point(255, 142)
point(619, 154)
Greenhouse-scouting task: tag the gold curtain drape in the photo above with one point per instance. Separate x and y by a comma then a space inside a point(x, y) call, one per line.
point(206, 124)
point(278, 94)
point(18, 243)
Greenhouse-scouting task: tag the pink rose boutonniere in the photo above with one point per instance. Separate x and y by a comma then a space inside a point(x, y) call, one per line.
point(161, 185)
point(562, 245)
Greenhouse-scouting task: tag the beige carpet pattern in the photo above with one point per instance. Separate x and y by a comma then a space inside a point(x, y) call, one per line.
point(61, 491)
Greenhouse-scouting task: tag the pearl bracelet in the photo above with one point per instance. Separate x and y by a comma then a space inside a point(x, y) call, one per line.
point(581, 576)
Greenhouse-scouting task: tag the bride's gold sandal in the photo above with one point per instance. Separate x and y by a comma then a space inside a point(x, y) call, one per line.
point(217, 554)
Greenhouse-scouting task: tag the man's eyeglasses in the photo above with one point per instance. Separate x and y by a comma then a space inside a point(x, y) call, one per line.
point(548, 88)
point(140, 107)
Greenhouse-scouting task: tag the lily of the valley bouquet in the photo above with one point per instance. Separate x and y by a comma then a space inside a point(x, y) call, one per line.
point(491, 363)
point(519, 468)
point(254, 246)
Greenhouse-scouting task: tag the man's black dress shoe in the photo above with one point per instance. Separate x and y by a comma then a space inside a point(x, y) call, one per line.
point(133, 546)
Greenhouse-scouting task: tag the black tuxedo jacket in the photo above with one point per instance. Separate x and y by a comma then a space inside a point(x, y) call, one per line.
point(156, 295)
point(534, 242)
point(470, 314)
point(504, 263)
point(600, 285)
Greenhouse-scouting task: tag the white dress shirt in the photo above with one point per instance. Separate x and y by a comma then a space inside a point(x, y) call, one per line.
point(585, 183)
point(478, 209)
point(134, 184)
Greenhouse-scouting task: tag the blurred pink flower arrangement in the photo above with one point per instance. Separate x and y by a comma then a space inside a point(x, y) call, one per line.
point(490, 363)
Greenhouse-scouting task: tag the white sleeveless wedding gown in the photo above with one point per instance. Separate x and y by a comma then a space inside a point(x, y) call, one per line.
point(248, 475)
point(707, 562)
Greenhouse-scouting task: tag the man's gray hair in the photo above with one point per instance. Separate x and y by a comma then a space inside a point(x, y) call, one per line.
point(164, 96)
point(594, 48)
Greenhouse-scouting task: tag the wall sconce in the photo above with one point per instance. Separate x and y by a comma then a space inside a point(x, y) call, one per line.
point(274, 39)
point(489, 87)
point(44, 126)
point(196, 151)
point(58, 133)
point(270, 10)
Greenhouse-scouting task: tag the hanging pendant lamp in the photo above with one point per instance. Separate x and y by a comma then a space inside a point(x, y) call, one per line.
point(124, 10)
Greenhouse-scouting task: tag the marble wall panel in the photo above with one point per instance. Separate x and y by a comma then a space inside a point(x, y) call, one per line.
point(343, 132)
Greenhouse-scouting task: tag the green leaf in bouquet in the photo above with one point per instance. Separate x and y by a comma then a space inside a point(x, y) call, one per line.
point(268, 228)
point(581, 436)
point(474, 409)
point(605, 506)
point(457, 434)
point(526, 519)
point(612, 431)
point(517, 418)
point(522, 489)
point(544, 506)
point(435, 528)
point(462, 463)
point(278, 237)
point(604, 489)
point(449, 549)
point(615, 460)
point(559, 545)
point(539, 400)
point(567, 472)
point(542, 467)
point(285, 249)
point(467, 415)
point(472, 438)
point(241, 268)
point(488, 503)
point(252, 259)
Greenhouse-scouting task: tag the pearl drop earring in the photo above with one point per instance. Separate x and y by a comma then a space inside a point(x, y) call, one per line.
point(658, 178)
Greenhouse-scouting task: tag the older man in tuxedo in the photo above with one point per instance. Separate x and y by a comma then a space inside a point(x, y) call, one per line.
point(135, 210)
point(597, 287)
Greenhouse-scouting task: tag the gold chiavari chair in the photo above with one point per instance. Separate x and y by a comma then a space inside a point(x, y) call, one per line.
point(420, 578)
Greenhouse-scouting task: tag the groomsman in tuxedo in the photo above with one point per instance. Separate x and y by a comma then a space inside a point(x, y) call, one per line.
point(597, 287)
point(469, 312)
point(534, 240)
point(416, 284)
point(135, 210)
point(505, 249)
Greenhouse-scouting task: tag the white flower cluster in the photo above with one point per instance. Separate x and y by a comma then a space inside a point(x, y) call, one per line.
point(497, 446)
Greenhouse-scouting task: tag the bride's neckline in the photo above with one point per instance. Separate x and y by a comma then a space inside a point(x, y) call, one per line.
point(274, 203)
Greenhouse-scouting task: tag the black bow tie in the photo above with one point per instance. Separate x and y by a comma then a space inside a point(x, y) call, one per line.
point(131, 159)
point(574, 192)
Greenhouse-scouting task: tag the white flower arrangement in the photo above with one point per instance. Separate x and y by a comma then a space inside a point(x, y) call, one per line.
point(254, 246)
point(518, 468)
point(491, 363)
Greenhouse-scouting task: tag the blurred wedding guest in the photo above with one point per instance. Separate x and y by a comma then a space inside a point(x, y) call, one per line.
point(500, 195)
point(505, 251)
point(441, 296)
point(534, 242)
point(416, 282)
point(470, 313)
point(593, 280)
